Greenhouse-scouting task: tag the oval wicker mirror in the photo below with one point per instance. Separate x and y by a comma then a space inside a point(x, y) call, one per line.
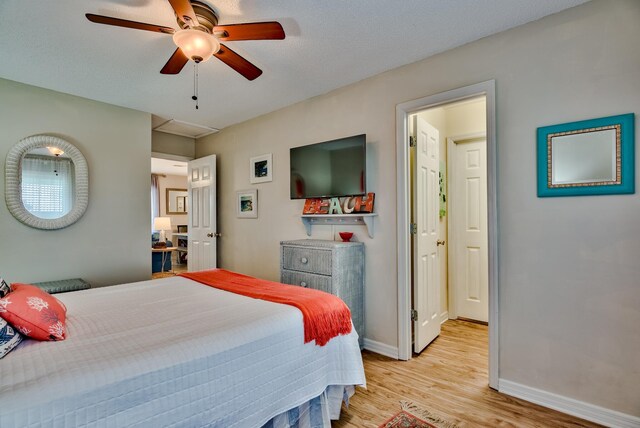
point(46, 182)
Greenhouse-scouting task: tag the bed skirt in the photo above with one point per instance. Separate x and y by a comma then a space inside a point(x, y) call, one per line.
point(317, 412)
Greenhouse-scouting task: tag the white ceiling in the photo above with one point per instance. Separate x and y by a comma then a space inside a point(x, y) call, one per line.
point(168, 167)
point(329, 44)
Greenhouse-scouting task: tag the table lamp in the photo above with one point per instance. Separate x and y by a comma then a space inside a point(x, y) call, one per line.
point(161, 224)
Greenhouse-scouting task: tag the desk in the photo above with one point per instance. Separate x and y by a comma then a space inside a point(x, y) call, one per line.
point(164, 251)
point(181, 240)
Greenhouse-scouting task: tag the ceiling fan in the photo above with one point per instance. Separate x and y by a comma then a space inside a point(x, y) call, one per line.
point(199, 36)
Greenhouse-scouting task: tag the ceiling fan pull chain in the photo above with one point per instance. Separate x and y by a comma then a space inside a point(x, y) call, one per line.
point(195, 84)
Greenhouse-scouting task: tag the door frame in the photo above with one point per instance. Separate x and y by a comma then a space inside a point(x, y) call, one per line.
point(451, 234)
point(403, 213)
point(168, 156)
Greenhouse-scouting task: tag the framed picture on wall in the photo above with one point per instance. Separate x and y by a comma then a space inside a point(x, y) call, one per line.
point(260, 168)
point(247, 203)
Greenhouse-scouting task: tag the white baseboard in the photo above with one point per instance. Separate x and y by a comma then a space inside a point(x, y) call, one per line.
point(590, 412)
point(444, 317)
point(380, 348)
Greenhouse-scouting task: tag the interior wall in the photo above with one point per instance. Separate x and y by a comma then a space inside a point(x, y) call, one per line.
point(568, 276)
point(171, 182)
point(467, 117)
point(110, 243)
point(171, 144)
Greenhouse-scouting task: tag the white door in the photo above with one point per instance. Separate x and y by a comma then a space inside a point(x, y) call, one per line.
point(470, 275)
point(202, 213)
point(426, 283)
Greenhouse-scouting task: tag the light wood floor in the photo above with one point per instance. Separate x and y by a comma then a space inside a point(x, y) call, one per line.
point(175, 269)
point(449, 379)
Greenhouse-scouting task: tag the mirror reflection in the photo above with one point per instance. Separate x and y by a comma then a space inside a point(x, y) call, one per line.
point(47, 182)
point(584, 158)
point(177, 201)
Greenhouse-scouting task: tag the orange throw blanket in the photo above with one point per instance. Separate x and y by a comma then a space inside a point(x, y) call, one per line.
point(325, 315)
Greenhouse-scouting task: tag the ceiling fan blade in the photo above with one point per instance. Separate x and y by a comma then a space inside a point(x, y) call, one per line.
point(251, 31)
point(185, 11)
point(239, 64)
point(176, 63)
point(108, 20)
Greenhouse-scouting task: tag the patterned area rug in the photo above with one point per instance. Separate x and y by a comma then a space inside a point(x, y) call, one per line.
point(412, 416)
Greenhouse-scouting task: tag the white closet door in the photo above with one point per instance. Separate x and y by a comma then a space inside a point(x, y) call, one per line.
point(469, 198)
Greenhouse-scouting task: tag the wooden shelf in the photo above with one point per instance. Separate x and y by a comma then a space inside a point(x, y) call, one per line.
point(358, 219)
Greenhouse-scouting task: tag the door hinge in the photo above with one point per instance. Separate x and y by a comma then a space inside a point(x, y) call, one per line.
point(413, 228)
point(412, 141)
point(414, 315)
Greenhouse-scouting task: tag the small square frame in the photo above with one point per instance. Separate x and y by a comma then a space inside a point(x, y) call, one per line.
point(247, 203)
point(261, 169)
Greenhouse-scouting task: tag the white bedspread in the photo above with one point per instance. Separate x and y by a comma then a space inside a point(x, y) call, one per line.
point(171, 352)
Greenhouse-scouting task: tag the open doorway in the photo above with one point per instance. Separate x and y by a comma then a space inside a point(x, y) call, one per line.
point(434, 304)
point(168, 216)
point(449, 251)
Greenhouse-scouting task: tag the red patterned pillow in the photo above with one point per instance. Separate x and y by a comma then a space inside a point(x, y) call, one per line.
point(34, 313)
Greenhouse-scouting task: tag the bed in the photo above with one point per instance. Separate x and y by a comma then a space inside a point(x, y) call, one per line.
point(173, 352)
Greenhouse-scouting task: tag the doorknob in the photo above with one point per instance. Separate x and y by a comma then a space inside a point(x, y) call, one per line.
point(209, 235)
point(217, 234)
point(439, 242)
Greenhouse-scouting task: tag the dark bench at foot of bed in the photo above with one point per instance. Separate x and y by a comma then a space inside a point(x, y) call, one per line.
point(63, 285)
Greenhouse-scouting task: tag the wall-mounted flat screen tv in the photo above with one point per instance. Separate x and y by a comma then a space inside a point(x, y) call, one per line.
point(329, 169)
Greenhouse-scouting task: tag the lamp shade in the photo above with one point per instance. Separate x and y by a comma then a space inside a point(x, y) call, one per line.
point(162, 223)
point(196, 45)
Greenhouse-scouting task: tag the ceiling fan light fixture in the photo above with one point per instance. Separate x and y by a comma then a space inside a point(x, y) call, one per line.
point(196, 44)
point(56, 151)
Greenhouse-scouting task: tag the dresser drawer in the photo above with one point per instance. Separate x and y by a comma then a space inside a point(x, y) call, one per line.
point(307, 260)
point(308, 280)
point(330, 266)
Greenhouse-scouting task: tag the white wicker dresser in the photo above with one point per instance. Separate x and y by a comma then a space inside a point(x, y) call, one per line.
point(331, 266)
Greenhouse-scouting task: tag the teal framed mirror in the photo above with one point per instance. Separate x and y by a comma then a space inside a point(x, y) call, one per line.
point(589, 157)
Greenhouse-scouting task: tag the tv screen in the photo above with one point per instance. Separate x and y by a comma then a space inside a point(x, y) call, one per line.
point(329, 169)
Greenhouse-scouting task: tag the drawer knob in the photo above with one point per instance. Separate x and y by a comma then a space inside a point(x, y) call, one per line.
point(303, 284)
point(304, 260)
